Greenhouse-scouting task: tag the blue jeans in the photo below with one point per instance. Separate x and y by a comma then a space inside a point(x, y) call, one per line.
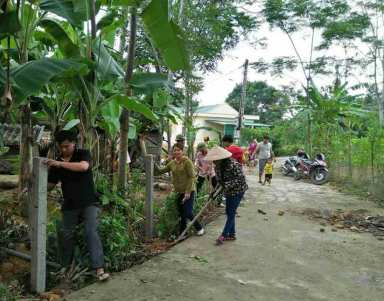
point(232, 202)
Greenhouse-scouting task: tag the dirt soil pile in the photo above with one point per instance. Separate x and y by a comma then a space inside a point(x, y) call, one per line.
point(355, 220)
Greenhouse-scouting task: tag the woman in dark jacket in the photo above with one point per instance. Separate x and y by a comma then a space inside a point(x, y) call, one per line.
point(231, 177)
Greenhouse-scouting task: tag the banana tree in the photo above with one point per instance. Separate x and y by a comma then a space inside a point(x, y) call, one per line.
point(166, 38)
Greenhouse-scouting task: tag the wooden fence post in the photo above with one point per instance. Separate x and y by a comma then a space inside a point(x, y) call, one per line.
point(148, 211)
point(38, 224)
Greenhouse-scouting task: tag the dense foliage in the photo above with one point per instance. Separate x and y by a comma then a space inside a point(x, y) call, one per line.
point(262, 100)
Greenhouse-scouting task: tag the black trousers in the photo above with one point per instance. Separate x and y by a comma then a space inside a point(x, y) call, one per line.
point(186, 211)
point(90, 218)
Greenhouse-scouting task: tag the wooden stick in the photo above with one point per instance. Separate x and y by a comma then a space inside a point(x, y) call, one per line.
point(148, 209)
point(211, 197)
point(28, 257)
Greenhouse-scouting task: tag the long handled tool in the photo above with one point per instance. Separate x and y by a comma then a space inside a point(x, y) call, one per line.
point(212, 196)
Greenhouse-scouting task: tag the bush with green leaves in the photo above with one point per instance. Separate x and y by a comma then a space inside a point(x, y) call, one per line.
point(167, 216)
point(6, 294)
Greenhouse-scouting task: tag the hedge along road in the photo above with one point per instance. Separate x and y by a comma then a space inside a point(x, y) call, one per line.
point(276, 257)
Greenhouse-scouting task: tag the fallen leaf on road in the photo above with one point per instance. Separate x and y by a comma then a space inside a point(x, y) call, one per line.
point(200, 259)
point(261, 211)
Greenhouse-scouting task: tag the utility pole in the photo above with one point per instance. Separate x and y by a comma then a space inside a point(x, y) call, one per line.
point(242, 99)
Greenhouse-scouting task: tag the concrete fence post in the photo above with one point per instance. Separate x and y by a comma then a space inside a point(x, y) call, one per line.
point(148, 211)
point(38, 224)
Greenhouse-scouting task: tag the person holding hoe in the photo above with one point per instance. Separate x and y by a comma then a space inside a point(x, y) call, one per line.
point(231, 177)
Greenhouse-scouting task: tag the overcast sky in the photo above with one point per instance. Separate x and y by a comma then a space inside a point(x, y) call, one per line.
point(219, 84)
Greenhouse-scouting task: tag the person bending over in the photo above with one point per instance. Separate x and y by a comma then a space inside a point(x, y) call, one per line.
point(73, 170)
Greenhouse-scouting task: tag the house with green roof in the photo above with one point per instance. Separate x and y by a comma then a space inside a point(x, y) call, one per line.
point(221, 118)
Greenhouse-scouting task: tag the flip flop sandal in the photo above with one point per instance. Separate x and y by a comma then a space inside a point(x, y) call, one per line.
point(220, 240)
point(103, 276)
point(230, 238)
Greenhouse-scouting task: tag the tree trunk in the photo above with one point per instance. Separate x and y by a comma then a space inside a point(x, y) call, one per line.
point(350, 169)
point(124, 118)
point(381, 98)
point(25, 157)
point(169, 136)
point(381, 108)
point(309, 135)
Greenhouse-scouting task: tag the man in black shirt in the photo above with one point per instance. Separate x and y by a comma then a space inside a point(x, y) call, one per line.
point(73, 170)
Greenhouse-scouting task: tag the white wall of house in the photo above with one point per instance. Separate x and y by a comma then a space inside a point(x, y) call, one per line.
point(201, 134)
point(198, 122)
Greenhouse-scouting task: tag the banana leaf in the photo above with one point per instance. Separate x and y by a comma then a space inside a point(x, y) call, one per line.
point(166, 36)
point(66, 46)
point(9, 23)
point(132, 104)
point(148, 83)
point(106, 65)
point(74, 11)
point(30, 77)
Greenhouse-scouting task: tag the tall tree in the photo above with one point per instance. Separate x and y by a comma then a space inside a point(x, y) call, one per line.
point(360, 30)
point(262, 100)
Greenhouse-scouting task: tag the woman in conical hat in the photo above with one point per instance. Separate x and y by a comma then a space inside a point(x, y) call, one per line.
point(231, 177)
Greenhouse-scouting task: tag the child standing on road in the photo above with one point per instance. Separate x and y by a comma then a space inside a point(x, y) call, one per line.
point(268, 170)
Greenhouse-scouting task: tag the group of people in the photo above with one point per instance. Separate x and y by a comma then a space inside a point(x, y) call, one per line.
point(220, 166)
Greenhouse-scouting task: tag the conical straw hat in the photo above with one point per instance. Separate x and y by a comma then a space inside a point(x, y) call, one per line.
point(217, 153)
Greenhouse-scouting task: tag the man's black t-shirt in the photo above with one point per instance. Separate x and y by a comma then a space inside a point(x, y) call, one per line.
point(78, 187)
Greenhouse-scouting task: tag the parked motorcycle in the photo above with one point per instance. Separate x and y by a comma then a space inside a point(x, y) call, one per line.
point(290, 165)
point(315, 169)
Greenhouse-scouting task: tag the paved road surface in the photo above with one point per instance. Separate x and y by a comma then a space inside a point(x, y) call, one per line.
point(275, 257)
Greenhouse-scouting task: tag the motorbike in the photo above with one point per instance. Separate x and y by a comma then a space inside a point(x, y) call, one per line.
point(291, 165)
point(315, 169)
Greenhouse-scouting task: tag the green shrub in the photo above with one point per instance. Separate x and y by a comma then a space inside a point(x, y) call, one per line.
point(5, 294)
point(167, 225)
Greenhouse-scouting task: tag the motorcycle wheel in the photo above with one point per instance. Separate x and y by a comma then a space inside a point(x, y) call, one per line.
point(319, 176)
point(284, 171)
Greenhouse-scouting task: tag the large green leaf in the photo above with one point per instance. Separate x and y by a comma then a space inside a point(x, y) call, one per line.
point(32, 76)
point(107, 67)
point(71, 124)
point(74, 11)
point(134, 105)
point(166, 35)
point(161, 99)
point(9, 23)
point(148, 82)
point(110, 112)
point(67, 47)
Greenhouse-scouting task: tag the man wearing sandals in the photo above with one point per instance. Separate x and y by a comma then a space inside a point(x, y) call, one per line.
point(73, 170)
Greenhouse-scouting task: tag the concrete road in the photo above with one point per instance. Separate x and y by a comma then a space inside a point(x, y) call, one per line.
point(275, 257)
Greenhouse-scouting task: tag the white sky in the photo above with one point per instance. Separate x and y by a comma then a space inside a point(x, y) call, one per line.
point(218, 85)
